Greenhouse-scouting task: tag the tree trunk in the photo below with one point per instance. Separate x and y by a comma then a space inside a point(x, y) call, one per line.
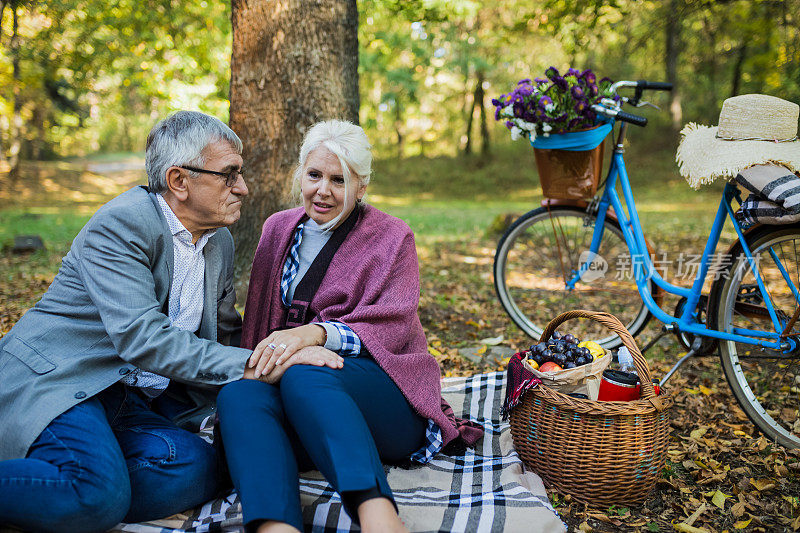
point(16, 118)
point(741, 53)
point(398, 127)
point(2, 10)
point(37, 143)
point(673, 38)
point(470, 114)
point(712, 94)
point(294, 63)
point(479, 100)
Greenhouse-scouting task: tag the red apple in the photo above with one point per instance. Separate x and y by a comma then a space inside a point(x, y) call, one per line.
point(549, 366)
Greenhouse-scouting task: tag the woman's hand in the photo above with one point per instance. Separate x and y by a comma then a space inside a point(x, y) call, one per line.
point(310, 355)
point(280, 345)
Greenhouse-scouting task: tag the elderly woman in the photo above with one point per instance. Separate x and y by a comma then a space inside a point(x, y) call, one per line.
point(334, 275)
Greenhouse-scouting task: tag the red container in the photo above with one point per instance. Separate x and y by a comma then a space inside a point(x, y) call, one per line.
point(618, 386)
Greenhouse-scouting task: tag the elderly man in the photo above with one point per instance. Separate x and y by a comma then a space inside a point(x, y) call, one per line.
point(143, 300)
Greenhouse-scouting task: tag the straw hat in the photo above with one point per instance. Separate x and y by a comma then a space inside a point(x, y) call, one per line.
point(754, 129)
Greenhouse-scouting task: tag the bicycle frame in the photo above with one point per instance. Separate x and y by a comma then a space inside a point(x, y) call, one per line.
point(644, 270)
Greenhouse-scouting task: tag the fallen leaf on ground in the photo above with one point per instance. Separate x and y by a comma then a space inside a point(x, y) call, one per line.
point(719, 499)
point(599, 516)
point(684, 528)
point(700, 510)
point(794, 501)
point(699, 432)
point(492, 341)
point(762, 484)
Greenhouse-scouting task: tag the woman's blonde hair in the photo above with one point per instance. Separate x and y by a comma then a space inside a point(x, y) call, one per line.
point(348, 143)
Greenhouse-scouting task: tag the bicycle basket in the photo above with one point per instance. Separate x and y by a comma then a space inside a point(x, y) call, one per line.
point(570, 174)
point(601, 453)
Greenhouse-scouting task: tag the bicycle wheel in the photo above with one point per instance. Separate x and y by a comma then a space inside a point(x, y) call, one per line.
point(766, 383)
point(542, 250)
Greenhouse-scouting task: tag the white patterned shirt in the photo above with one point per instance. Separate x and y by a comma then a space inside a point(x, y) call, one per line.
point(309, 239)
point(186, 293)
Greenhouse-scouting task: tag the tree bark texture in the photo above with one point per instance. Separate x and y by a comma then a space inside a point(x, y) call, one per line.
point(470, 115)
point(16, 119)
point(672, 52)
point(741, 53)
point(2, 10)
point(398, 127)
point(479, 99)
point(294, 63)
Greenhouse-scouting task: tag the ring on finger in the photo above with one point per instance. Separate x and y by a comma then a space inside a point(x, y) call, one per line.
point(271, 346)
point(281, 345)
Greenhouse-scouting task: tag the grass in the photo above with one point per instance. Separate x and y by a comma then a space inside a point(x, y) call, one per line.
point(58, 226)
point(447, 198)
point(440, 197)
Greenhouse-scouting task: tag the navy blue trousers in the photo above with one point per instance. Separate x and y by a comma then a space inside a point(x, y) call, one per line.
point(343, 422)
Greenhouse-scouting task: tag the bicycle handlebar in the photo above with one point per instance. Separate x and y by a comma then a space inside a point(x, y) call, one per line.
point(611, 109)
point(654, 85)
point(642, 85)
point(636, 120)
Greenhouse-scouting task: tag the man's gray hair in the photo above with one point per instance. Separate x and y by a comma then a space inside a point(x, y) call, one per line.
point(180, 139)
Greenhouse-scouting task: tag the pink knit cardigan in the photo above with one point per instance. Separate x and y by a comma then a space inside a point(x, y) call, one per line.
point(372, 285)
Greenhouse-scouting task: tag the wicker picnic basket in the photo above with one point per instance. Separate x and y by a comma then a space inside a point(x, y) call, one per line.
point(601, 453)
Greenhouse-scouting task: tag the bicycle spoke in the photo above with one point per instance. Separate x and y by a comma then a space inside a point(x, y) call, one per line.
point(765, 382)
point(538, 257)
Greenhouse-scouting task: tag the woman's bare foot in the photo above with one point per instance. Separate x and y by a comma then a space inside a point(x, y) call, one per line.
point(277, 527)
point(377, 515)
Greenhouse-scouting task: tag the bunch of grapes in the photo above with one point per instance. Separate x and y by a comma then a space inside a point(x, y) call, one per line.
point(562, 350)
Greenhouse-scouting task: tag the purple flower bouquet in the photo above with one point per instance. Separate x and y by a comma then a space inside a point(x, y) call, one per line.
point(554, 104)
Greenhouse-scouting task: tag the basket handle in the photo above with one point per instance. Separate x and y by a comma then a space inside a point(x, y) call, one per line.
point(611, 322)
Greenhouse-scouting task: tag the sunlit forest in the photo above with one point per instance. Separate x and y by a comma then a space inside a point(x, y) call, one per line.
point(79, 77)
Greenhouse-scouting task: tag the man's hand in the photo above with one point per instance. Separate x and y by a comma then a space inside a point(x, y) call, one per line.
point(281, 345)
point(310, 355)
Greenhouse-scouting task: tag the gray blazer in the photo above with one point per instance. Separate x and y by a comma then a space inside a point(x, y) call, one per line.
point(105, 314)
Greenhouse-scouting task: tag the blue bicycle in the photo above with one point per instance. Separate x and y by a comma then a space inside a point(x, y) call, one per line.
point(557, 258)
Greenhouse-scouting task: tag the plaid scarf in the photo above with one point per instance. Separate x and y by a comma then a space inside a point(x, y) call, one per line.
point(518, 380)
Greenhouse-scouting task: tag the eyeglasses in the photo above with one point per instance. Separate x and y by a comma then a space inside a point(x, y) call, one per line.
point(230, 177)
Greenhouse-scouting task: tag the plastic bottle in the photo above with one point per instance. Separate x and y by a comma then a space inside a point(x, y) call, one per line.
point(625, 360)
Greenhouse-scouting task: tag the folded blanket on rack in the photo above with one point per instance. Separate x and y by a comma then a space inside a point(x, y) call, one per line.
point(775, 197)
point(485, 489)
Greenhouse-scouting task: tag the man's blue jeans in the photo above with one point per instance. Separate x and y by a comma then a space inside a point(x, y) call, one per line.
point(108, 459)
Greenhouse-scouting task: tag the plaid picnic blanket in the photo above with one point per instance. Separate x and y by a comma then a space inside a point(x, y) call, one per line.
point(775, 197)
point(486, 489)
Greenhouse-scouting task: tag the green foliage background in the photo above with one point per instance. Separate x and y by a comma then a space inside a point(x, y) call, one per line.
point(94, 76)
